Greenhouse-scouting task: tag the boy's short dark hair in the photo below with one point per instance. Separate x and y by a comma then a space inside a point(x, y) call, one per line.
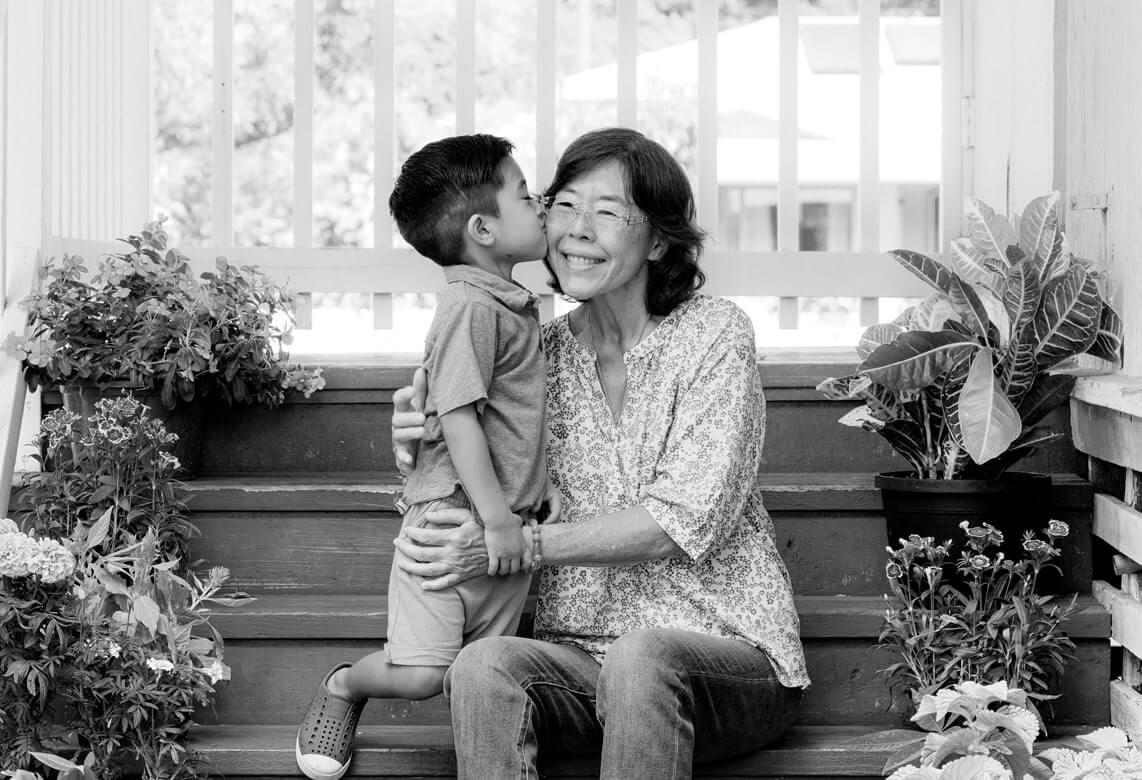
point(443, 184)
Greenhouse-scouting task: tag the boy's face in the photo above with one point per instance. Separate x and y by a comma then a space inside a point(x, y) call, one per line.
point(519, 234)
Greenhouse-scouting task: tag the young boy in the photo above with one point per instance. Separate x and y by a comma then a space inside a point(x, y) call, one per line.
point(462, 202)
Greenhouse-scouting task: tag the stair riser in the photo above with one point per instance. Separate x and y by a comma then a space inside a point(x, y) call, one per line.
point(326, 435)
point(273, 682)
point(827, 553)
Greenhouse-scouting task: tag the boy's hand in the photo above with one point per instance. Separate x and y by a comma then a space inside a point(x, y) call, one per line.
point(504, 541)
point(548, 508)
point(408, 421)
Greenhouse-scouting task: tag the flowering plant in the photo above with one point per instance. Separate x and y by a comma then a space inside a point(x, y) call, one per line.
point(144, 320)
point(988, 732)
point(977, 617)
point(105, 641)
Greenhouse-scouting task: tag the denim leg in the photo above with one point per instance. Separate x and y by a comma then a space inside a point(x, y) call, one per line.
point(512, 698)
point(668, 698)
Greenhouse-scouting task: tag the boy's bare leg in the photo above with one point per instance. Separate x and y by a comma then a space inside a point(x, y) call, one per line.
point(373, 677)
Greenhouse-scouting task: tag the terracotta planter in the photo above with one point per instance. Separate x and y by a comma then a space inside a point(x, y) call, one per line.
point(187, 420)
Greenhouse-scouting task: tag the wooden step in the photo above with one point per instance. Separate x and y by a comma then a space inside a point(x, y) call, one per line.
point(345, 427)
point(333, 533)
point(426, 751)
point(267, 752)
point(279, 645)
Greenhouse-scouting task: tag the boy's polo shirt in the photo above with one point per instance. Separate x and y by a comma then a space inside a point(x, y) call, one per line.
point(484, 348)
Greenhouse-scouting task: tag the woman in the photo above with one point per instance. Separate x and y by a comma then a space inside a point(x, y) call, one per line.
point(665, 631)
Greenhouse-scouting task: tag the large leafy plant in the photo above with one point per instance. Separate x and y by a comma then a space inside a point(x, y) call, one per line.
point(144, 320)
point(959, 383)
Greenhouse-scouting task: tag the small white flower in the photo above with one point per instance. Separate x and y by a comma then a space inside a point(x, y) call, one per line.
point(217, 671)
point(160, 665)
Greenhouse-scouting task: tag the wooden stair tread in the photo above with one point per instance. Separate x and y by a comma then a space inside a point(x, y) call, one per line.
point(394, 751)
point(377, 492)
point(364, 616)
point(426, 750)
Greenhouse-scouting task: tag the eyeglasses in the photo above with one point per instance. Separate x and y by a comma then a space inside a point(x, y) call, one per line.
point(562, 212)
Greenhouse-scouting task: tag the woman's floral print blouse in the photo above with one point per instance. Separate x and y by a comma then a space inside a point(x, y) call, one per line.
point(687, 448)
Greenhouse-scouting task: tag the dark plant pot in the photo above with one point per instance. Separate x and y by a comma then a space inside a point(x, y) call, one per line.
point(187, 419)
point(1014, 503)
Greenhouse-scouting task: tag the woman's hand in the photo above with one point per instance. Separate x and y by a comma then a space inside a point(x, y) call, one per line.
point(548, 508)
point(445, 556)
point(408, 421)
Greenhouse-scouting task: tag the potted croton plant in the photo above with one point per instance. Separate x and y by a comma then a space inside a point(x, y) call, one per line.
point(960, 383)
point(144, 322)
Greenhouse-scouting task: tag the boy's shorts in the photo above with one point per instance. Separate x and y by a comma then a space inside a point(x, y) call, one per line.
point(428, 628)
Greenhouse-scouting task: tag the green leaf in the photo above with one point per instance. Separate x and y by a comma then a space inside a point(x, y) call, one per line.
point(1019, 367)
point(968, 305)
point(969, 263)
point(1039, 232)
point(1107, 343)
point(1021, 296)
point(55, 762)
point(1049, 392)
point(98, 531)
point(931, 271)
point(1068, 318)
point(907, 438)
point(915, 358)
point(987, 422)
point(146, 611)
point(876, 336)
point(990, 233)
point(843, 388)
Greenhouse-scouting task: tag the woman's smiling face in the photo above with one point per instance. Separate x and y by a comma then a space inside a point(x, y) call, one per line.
point(591, 257)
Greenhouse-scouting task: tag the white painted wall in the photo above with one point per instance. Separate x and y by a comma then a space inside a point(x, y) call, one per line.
point(1103, 149)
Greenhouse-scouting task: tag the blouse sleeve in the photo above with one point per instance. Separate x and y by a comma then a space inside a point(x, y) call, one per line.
point(713, 451)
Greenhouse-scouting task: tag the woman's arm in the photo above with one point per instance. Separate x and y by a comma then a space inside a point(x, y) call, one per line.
point(447, 556)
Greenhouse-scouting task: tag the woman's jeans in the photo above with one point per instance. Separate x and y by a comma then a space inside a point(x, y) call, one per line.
point(662, 700)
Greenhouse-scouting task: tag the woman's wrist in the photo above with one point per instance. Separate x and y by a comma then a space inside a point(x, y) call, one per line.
point(535, 559)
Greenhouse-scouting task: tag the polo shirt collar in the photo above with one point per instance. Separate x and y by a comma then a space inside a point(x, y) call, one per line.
point(513, 295)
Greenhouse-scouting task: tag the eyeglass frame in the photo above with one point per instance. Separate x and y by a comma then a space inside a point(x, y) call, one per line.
point(590, 214)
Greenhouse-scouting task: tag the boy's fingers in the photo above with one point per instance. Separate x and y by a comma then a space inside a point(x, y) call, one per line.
point(420, 388)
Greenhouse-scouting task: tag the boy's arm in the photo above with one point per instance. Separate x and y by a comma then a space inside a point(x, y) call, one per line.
point(468, 448)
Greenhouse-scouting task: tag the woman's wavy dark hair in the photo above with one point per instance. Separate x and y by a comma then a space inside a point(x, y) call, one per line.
point(659, 187)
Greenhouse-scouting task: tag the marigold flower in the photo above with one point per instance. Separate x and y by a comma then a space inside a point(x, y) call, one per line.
point(54, 562)
point(980, 562)
point(17, 552)
point(1035, 545)
point(1058, 528)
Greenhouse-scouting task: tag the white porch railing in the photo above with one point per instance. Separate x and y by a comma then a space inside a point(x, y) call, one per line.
point(99, 184)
